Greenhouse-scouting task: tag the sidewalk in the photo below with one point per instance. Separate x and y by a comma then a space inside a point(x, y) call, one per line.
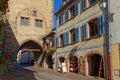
point(54, 75)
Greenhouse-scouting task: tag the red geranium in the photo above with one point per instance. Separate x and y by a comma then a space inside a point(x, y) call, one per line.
point(6, 56)
point(1, 62)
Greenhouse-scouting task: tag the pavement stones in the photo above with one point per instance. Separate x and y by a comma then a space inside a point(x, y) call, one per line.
point(35, 73)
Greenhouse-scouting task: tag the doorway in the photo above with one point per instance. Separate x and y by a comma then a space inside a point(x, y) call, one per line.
point(95, 65)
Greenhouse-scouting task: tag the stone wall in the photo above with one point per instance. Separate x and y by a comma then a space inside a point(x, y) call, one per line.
point(15, 34)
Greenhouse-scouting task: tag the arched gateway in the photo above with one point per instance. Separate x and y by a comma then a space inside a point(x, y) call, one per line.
point(23, 22)
point(29, 52)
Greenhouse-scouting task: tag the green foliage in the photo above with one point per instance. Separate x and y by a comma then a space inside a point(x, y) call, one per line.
point(1, 30)
point(2, 5)
point(52, 49)
point(3, 69)
point(2, 58)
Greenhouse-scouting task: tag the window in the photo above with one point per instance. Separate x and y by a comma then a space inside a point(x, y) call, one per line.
point(61, 40)
point(72, 11)
point(34, 13)
point(87, 3)
point(72, 33)
point(92, 2)
point(38, 23)
point(24, 21)
point(66, 15)
point(61, 19)
point(93, 26)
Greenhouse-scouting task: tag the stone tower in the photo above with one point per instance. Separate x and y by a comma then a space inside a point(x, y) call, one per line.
point(26, 22)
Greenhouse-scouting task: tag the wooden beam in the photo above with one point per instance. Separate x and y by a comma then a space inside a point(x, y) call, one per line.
point(31, 50)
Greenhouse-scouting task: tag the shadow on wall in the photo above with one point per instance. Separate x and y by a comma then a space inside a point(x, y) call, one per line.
point(41, 59)
point(10, 42)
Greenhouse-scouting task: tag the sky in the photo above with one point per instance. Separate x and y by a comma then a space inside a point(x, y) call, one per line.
point(57, 4)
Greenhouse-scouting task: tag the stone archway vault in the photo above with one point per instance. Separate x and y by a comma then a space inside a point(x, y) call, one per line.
point(33, 46)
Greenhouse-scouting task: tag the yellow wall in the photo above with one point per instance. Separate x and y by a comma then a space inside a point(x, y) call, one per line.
point(116, 61)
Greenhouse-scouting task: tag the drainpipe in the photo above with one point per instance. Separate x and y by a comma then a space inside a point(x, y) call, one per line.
point(105, 6)
point(56, 60)
point(108, 40)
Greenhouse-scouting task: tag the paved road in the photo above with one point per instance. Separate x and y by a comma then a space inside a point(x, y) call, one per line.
point(28, 72)
point(25, 72)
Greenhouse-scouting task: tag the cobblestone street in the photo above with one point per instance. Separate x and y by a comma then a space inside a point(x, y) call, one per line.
point(33, 73)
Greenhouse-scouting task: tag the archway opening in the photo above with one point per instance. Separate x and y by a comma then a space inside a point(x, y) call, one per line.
point(29, 52)
point(25, 57)
point(73, 64)
point(95, 64)
point(49, 61)
point(60, 61)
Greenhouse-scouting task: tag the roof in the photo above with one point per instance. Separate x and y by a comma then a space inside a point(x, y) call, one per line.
point(63, 6)
point(49, 34)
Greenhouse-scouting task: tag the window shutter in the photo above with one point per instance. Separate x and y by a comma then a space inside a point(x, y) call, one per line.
point(101, 24)
point(66, 15)
point(84, 33)
point(77, 34)
point(59, 19)
point(66, 38)
point(57, 41)
point(83, 4)
point(76, 7)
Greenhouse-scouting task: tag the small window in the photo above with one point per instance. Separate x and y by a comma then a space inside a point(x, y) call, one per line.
point(34, 13)
point(38, 23)
point(24, 21)
point(93, 26)
point(61, 40)
point(72, 11)
point(87, 3)
point(61, 19)
point(72, 33)
point(92, 1)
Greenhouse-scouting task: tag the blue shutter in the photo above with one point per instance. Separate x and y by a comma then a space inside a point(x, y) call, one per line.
point(76, 7)
point(66, 38)
point(83, 4)
point(57, 41)
point(77, 34)
point(101, 24)
point(66, 15)
point(61, 18)
point(84, 32)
